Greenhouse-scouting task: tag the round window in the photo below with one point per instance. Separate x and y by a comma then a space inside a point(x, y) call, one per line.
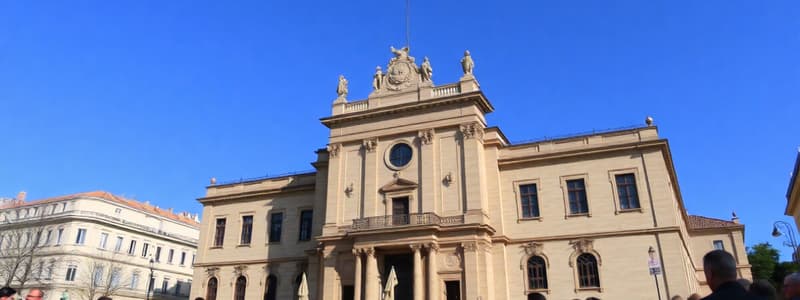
point(400, 155)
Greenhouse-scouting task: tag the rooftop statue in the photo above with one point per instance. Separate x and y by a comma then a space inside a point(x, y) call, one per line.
point(377, 79)
point(402, 72)
point(425, 70)
point(341, 89)
point(401, 53)
point(467, 64)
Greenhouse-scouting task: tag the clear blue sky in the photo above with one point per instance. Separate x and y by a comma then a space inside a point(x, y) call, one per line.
point(149, 99)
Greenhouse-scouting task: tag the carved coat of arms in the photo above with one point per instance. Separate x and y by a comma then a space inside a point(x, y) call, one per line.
point(402, 71)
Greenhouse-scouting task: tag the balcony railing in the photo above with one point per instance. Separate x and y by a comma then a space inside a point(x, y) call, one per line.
point(395, 221)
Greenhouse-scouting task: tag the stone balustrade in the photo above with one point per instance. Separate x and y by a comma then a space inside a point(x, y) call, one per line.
point(356, 106)
point(447, 90)
point(394, 221)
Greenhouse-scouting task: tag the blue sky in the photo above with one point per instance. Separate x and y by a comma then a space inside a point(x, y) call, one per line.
point(149, 99)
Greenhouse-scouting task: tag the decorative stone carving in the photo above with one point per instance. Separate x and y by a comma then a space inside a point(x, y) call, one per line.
point(533, 248)
point(425, 136)
point(583, 245)
point(472, 130)
point(467, 64)
point(432, 247)
point(452, 261)
point(377, 79)
point(341, 89)
point(425, 70)
point(212, 271)
point(402, 71)
point(470, 246)
point(333, 149)
point(239, 270)
point(369, 251)
point(348, 190)
point(370, 144)
point(415, 247)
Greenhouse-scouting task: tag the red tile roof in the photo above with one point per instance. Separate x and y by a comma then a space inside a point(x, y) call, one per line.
point(113, 198)
point(700, 222)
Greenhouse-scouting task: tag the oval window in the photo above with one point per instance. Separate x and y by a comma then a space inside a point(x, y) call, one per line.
point(400, 155)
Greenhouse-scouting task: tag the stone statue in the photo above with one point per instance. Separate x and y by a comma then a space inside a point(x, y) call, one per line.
point(467, 64)
point(341, 89)
point(401, 53)
point(377, 79)
point(425, 70)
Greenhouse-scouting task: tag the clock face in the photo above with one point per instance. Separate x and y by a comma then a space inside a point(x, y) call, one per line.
point(400, 155)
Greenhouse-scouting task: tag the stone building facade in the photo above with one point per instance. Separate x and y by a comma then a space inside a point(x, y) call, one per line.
point(793, 194)
point(96, 243)
point(413, 179)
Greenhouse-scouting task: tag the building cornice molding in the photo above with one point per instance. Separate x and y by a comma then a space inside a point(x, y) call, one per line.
point(251, 262)
point(258, 193)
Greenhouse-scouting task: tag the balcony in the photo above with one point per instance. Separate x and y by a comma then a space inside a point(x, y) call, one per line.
point(400, 221)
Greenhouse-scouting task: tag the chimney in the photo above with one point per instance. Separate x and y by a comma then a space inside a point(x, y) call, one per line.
point(170, 210)
point(735, 218)
point(21, 196)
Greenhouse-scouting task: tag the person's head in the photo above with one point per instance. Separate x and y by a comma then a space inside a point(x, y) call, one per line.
point(7, 293)
point(763, 290)
point(34, 294)
point(719, 267)
point(745, 283)
point(676, 297)
point(199, 298)
point(104, 298)
point(694, 296)
point(791, 285)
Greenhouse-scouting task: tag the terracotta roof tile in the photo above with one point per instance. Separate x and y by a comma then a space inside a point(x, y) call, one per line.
point(700, 222)
point(110, 197)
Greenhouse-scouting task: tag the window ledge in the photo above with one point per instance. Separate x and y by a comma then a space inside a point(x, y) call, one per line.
point(630, 210)
point(215, 247)
point(243, 246)
point(545, 291)
point(530, 219)
point(590, 289)
point(588, 215)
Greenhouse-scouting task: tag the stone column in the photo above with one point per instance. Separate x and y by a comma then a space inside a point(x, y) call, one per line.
point(329, 275)
point(418, 282)
point(357, 281)
point(433, 275)
point(472, 270)
point(334, 191)
point(429, 180)
point(474, 175)
point(371, 282)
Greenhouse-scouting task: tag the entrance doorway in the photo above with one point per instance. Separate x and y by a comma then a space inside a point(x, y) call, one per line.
point(400, 211)
point(452, 290)
point(403, 267)
point(348, 292)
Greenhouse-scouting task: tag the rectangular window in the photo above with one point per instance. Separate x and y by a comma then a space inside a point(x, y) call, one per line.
point(103, 240)
point(98, 276)
point(71, 270)
point(132, 247)
point(576, 190)
point(626, 190)
point(164, 285)
point(183, 258)
point(219, 235)
point(529, 200)
point(59, 236)
point(134, 281)
point(247, 230)
point(275, 227)
point(145, 249)
point(158, 254)
point(193, 256)
point(170, 255)
point(177, 288)
point(718, 245)
point(306, 218)
point(47, 238)
point(115, 277)
point(118, 246)
point(50, 268)
point(81, 238)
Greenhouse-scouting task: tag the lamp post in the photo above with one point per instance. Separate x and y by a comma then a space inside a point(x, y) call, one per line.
point(655, 268)
point(150, 282)
point(782, 228)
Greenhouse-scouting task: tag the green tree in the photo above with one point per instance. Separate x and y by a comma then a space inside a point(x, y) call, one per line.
point(763, 259)
point(781, 270)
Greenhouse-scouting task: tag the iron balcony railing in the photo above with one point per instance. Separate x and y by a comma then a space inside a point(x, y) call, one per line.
point(394, 221)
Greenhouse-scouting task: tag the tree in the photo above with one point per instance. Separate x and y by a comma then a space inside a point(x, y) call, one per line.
point(781, 270)
point(102, 276)
point(763, 259)
point(21, 245)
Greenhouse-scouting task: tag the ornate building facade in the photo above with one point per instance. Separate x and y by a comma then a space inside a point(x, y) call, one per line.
point(413, 179)
point(86, 245)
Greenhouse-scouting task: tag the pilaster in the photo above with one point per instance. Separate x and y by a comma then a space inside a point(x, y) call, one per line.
point(329, 280)
point(474, 173)
point(357, 274)
point(433, 278)
point(334, 194)
point(370, 193)
point(372, 280)
point(429, 181)
point(418, 278)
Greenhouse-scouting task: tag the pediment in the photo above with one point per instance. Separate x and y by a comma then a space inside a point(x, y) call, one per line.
point(398, 184)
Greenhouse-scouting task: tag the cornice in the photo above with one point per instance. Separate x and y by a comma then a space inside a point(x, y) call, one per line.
point(258, 193)
point(507, 162)
point(593, 235)
point(251, 261)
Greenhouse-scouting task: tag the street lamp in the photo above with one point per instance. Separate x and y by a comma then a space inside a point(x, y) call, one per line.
point(782, 228)
point(654, 264)
point(151, 281)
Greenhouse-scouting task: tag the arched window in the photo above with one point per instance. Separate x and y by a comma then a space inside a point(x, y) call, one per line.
point(272, 288)
point(241, 285)
point(537, 273)
point(536, 296)
point(587, 271)
point(211, 291)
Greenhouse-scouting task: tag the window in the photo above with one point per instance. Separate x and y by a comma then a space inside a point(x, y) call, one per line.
point(165, 285)
point(211, 292)
point(158, 254)
point(306, 218)
point(718, 245)
point(35, 211)
point(183, 258)
point(177, 288)
point(626, 190)
point(47, 238)
point(81, 238)
point(132, 247)
point(134, 281)
point(50, 267)
point(275, 227)
point(587, 271)
point(145, 249)
point(103, 240)
point(219, 236)
point(71, 270)
point(400, 155)
point(60, 234)
point(98, 276)
point(241, 285)
point(272, 288)
point(576, 191)
point(247, 230)
point(64, 206)
point(193, 255)
point(115, 275)
point(170, 255)
point(529, 200)
point(117, 211)
point(537, 273)
point(118, 246)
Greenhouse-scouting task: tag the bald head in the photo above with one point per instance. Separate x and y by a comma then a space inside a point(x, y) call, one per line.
point(34, 294)
point(719, 267)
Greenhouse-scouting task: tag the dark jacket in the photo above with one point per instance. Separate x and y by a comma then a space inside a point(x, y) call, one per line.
point(729, 291)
